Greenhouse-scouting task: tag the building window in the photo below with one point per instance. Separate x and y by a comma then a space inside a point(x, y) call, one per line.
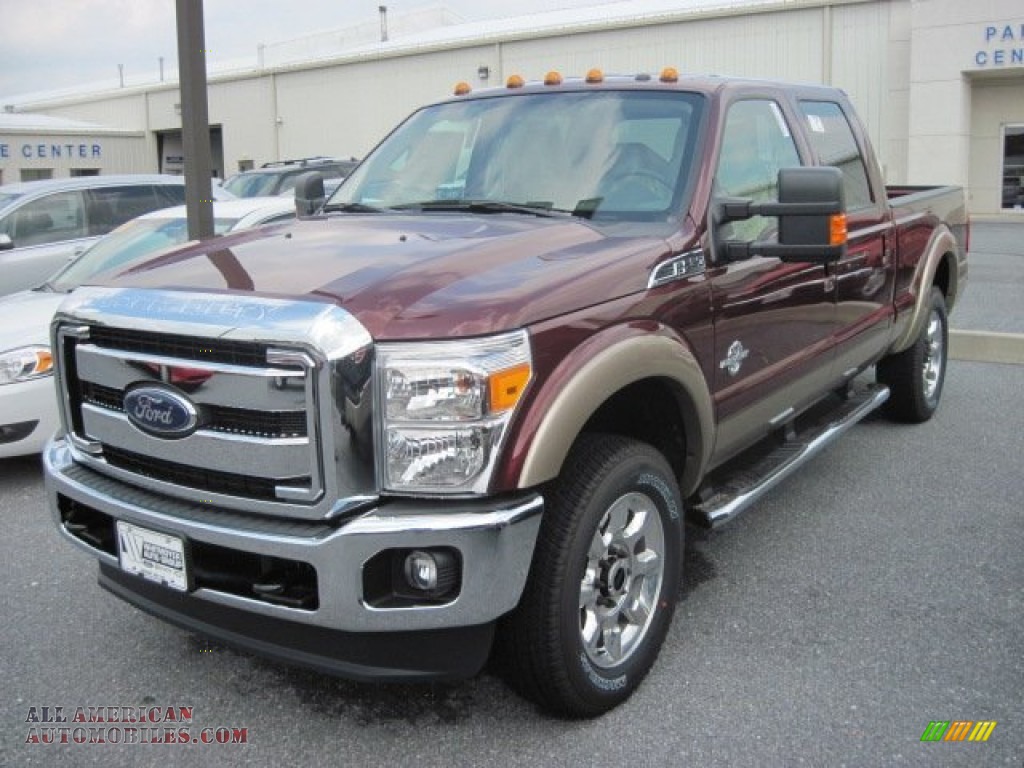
point(85, 171)
point(36, 174)
point(1013, 167)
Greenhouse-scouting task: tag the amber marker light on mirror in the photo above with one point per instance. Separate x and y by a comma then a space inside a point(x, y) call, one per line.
point(837, 229)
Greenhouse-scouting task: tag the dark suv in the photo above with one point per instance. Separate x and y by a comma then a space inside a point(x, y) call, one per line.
point(279, 178)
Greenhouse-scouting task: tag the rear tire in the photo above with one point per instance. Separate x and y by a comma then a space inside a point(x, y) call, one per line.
point(604, 580)
point(915, 375)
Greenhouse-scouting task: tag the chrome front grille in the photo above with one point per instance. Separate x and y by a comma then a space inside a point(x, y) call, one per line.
point(269, 400)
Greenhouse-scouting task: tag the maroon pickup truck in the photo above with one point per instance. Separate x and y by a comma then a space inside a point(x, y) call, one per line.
point(466, 404)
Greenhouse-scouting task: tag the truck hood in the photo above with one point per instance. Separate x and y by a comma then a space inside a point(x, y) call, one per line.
point(418, 275)
point(25, 318)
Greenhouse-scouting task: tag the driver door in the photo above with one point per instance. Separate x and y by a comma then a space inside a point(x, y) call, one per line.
point(773, 321)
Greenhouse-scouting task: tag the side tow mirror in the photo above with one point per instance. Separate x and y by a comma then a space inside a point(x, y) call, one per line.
point(6, 244)
point(812, 217)
point(309, 194)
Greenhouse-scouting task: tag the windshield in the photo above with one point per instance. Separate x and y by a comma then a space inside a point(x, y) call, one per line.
point(252, 184)
point(134, 240)
point(6, 198)
point(619, 155)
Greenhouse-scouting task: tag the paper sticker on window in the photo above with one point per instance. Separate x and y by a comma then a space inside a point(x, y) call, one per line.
point(816, 123)
point(780, 119)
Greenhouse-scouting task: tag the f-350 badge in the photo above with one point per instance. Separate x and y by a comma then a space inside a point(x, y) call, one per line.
point(734, 359)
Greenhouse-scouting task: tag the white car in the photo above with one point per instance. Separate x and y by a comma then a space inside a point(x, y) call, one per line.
point(45, 223)
point(28, 404)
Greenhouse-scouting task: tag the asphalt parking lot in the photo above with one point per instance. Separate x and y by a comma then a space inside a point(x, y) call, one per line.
point(880, 589)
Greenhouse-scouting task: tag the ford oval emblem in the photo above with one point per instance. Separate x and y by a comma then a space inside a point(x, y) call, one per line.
point(161, 412)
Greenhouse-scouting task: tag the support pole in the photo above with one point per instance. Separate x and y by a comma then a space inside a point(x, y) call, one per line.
point(195, 121)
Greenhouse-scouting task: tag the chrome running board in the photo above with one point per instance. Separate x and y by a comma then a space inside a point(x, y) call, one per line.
point(747, 483)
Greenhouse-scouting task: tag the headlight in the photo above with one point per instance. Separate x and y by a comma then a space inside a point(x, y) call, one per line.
point(24, 364)
point(445, 408)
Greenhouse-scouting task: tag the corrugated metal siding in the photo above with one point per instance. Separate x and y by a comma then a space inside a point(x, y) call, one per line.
point(860, 62)
point(61, 153)
point(347, 110)
point(245, 110)
point(125, 112)
point(756, 45)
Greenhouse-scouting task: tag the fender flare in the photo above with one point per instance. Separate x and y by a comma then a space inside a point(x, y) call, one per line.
point(602, 367)
point(940, 245)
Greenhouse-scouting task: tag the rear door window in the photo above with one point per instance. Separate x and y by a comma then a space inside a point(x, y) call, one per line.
point(833, 141)
point(110, 207)
point(50, 219)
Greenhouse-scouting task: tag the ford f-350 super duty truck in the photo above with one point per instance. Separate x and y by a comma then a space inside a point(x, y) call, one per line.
point(467, 403)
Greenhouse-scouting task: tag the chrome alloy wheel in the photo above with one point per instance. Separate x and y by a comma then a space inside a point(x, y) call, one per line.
point(622, 580)
point(934, 356)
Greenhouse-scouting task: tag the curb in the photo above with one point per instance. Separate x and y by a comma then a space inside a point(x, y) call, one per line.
point(987, 347)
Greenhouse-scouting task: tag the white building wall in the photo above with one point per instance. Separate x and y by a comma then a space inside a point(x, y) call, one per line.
point(246, 111)
point(345, 110)
point(859, 63)
point(66, 151)
point(908, 65)
point(995, 103)
point(751, 45)
point(949, 46)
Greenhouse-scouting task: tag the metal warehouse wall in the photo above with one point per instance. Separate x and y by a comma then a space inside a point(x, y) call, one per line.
point(862, 48)
point(345, 110)
point(62, 152)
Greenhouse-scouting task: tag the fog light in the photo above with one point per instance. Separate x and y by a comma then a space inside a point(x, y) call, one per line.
point(421, 571)
point(435, 572)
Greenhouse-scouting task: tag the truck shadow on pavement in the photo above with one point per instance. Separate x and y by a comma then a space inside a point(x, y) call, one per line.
point(420, 704)
point(698, 568)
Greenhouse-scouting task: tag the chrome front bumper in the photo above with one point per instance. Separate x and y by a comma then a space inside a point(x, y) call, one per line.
point(494, 537)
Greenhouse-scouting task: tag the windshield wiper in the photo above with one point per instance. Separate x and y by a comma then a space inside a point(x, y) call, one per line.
point(485, 206)
point(352, 208)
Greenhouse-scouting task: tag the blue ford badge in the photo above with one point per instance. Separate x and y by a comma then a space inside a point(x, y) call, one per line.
point(160, 412)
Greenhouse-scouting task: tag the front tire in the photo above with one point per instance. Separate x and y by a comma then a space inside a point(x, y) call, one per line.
point(604, 580)
point(915, 375)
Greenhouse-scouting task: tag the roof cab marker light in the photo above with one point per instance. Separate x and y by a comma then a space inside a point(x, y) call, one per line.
point(515, 81)
point(552, 78)
point(595, 76)
point(643, 77)
point(670, 75)
point(462, 88)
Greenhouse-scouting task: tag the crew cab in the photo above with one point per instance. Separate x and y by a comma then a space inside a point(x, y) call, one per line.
point(466, 404)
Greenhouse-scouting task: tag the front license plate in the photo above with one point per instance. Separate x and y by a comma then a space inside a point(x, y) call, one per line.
point(152, 555)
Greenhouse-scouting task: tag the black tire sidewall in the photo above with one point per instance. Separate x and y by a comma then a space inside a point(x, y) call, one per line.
point(643, 472)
